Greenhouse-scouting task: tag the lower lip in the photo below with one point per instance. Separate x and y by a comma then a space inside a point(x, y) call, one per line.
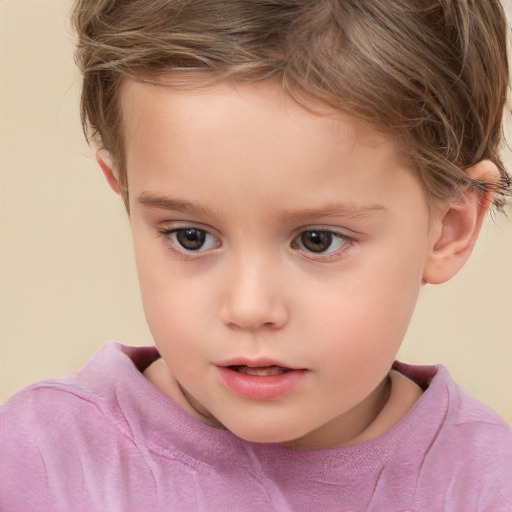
point(255, 387)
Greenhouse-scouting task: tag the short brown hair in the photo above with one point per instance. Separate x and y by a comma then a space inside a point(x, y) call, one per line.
point(432, 73)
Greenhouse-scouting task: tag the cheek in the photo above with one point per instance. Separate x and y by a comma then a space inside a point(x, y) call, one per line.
point(365, 313)
point(181, 315)
point(356, 338)
point(170, 302)
point(174, 310)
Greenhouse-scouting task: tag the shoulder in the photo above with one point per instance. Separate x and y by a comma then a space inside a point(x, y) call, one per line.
point(478, 432)
point(69, 433)
point(49, 402)
point(467, 449)
point(47, 419)
point(45, 404)
point(57, 410)
point(84, 397)
point(454, 409)
point(476, 445)
point(42, 430)
point(474, 422)
point(464, 422)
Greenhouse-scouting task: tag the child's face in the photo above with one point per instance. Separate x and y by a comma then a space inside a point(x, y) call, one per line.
point(269, 236)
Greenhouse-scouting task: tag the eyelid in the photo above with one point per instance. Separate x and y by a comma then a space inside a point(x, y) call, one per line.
point(167, 229)
point(336, 230)
point(325, 257)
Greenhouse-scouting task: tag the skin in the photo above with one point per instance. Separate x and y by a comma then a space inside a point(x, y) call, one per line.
point(253, 171)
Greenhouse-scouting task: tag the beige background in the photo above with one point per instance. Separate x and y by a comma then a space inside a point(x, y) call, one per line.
point(67, 278)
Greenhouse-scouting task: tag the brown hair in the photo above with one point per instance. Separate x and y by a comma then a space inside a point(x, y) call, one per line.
point(433, 73)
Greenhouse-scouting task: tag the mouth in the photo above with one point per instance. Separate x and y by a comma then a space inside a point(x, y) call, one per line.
point(260, 380)
point(259, 371)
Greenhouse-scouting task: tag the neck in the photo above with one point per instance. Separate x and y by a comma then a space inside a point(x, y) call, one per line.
point(393, 398)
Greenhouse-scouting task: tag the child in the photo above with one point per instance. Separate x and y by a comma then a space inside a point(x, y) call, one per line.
point(293, 171)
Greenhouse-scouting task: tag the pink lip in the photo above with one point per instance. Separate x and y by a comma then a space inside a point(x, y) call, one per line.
point(258, 387)
point(254, 363)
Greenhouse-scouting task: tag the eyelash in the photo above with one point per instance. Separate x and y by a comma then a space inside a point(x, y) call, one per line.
point(169, 234)
point(189, 254)
point(335, 236)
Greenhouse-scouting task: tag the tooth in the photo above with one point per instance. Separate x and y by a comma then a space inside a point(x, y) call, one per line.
point(262, 371)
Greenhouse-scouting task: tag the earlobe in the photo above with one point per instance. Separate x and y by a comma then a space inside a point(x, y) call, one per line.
point(457, 224)
point(105, 162)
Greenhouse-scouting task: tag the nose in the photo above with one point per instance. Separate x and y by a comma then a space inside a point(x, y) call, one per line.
point(253, 298)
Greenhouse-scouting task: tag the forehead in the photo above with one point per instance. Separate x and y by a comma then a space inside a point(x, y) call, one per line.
point(253, 145)
point(181, 98)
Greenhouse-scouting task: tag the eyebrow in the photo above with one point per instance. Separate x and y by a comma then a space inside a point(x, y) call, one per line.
point(330, 210)
point(177, 205)
point(346, 210)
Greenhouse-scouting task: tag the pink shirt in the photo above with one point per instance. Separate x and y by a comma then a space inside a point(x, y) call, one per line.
point(105, 439)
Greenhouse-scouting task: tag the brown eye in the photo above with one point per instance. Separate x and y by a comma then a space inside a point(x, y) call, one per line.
point(191, 239)
point(316, 241)
point(320, 241)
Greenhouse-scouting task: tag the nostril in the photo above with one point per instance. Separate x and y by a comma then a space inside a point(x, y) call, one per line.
point(251, 326)
point(251, 304)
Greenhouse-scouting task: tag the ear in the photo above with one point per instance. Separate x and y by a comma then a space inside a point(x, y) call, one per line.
point(456, 226)
point(105, 162)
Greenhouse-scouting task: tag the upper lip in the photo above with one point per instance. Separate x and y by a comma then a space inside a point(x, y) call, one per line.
point(255, 363)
